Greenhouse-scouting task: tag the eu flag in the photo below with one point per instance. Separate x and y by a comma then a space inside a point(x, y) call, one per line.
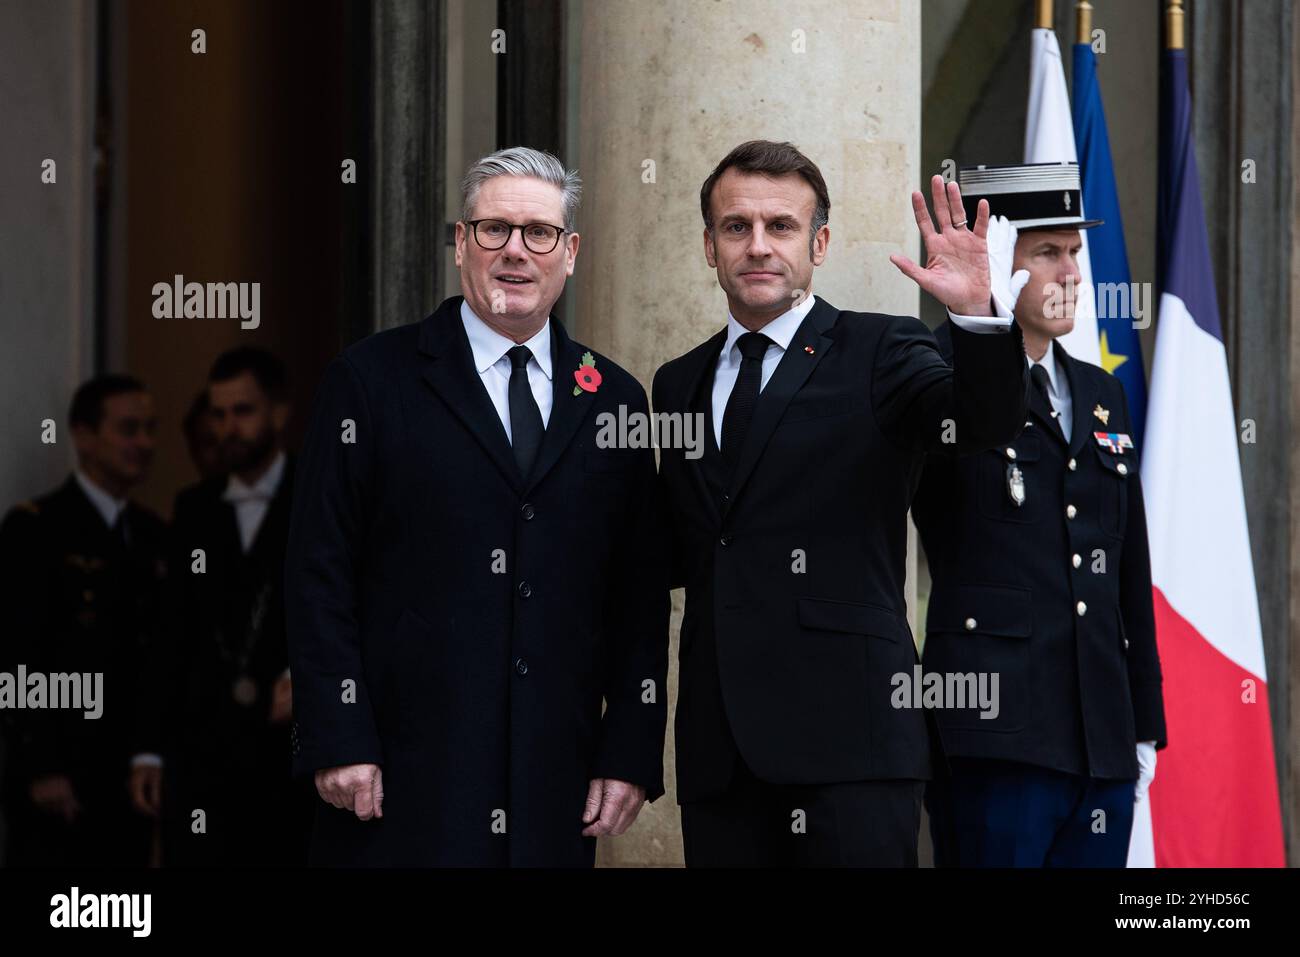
point(1121, 351)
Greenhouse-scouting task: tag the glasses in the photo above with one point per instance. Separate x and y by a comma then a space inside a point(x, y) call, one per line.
point(494, 233)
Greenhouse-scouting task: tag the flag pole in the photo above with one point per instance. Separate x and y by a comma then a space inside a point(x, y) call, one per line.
point(1174, 26)
point(1043, 20)
point(1083, 22)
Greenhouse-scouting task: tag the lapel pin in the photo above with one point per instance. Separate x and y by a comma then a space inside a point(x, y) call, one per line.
point(1103, 414)
point(808, 349)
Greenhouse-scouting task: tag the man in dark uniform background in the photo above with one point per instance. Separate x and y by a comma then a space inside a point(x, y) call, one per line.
point(1041, 576)
point(81, 567)
point(225, 693)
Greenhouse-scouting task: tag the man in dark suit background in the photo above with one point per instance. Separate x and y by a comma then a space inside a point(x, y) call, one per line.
point(1041, 575)
point(470, 574)
point(222, 662)
point(81, 569)
point(789, 534)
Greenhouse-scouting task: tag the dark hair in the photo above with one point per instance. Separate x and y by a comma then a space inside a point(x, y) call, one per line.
point(770, 159)
point(88, 401)
point(265, 368)
point(194, 417)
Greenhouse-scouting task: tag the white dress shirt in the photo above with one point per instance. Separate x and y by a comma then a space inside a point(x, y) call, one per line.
point(108, 507)
point(1058, 391)
point(493, 365)
point(252, 501)
point(781, 330)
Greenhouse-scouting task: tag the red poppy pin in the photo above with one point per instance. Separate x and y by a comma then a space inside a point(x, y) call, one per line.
point(587, 377)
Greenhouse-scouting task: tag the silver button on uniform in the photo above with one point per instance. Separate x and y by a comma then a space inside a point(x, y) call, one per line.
point(970, 624)
point(1081, 608)
point(1071, 511)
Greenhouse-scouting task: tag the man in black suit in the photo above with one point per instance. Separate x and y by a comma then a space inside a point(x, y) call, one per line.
point(222, 660)
point(790, 533)
point(470, 574)
point(1041, 576)
point(81, 570)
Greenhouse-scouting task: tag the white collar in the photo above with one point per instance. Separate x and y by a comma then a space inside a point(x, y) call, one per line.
point(780, 330)
point(1048, 362)
point(488, 345)
point(109, 508)
point(264, 487)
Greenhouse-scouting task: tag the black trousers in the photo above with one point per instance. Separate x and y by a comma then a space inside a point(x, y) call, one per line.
point(758, 824)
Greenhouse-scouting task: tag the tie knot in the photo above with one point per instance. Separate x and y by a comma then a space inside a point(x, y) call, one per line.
point(1039, 376)
point(753, 345)
point(519, 356)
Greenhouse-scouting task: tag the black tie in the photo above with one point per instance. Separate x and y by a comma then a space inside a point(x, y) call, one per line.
point(525, 418)
point(119, 532)
point(1038, 375)
point(744, 395)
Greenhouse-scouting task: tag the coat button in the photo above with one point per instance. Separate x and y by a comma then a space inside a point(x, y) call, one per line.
point(970, 624)
point(1121, 468)
point(1081, 608)
point(1071, 511)
point(724, 541)
point(1072, 465)
point(521, 666)
point(1126, 644)
point(1011, 453)
point(525, 589)
point(1076, 560)
point(528, 512)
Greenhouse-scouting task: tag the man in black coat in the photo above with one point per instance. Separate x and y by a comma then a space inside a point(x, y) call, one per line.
point(1041, 577)
point(790, 532)
point(81, 569)
point(224, 695)
point(471, 574)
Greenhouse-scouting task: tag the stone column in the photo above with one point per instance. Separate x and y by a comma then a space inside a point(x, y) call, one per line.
point(665, 91)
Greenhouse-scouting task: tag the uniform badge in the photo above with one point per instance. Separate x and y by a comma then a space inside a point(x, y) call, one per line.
point(1113, 442)
point(1015, 484)
point(244, 691)
point(1103, 414)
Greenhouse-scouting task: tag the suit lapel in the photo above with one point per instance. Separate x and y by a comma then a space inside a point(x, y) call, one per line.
point(450, 372)
point(1083, 394)
point(699, 388)
point(568, 411)
point(277, 514)
point(806, 350)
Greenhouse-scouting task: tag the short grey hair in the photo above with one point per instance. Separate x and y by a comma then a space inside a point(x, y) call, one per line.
point(522, 161)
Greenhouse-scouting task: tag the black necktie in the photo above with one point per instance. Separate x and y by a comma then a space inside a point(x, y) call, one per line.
point(525, 418)
point(1038, 375)
point(744, 395)
point(119, 532)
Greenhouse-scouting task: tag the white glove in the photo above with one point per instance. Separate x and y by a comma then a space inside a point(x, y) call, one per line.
point(1146, 754)
point(1004, 284)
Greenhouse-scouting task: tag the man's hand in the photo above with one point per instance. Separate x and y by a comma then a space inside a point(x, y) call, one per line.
point(957, 263)
point(145, 785)
point(611, 808)
point(353, 787)
point(281, 700)
point(53, 794)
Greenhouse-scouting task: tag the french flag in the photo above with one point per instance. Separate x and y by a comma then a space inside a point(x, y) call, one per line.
point(1214, 800)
